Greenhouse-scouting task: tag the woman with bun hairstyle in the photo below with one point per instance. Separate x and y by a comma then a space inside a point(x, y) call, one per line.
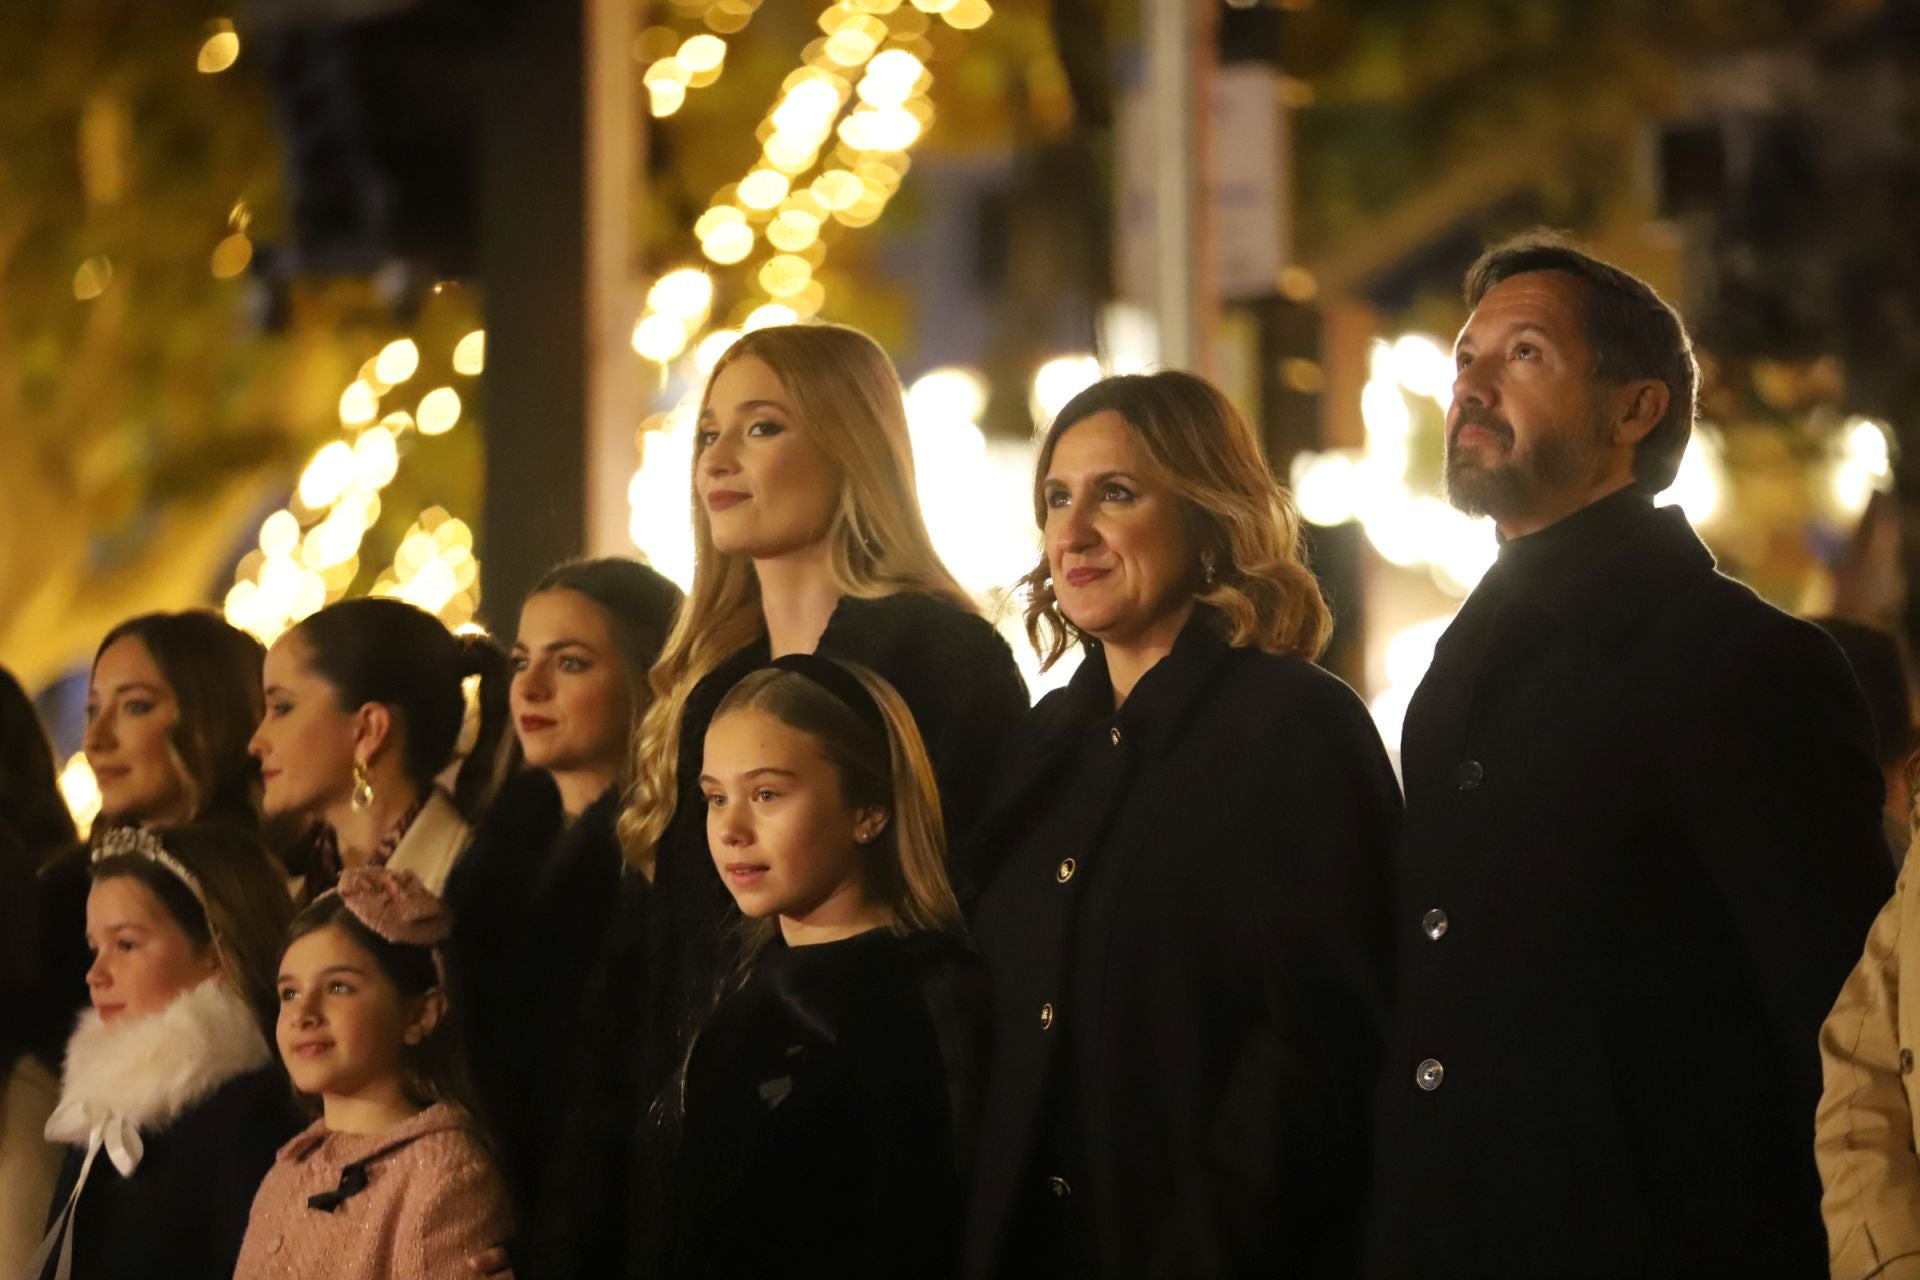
point(536, 889)
point(364, 709)
point(170, 1104)
point(808, 539)
point(829, 1096)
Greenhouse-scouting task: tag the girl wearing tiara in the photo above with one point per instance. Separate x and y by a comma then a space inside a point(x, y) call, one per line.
point(392, 1180)
point(170, 1102)
point(827, 1096)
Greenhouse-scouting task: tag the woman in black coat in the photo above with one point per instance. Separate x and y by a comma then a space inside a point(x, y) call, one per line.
point(1182, 890)
point(809, 539)
point(535, 891)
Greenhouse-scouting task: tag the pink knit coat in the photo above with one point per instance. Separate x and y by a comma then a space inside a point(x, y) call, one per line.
point(432, 1199)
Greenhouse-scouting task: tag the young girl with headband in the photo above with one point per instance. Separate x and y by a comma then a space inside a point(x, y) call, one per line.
point(827, 1097)
point(393, 1180)
point(170, 1102)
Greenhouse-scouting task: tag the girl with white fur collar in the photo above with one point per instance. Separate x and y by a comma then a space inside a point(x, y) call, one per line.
point(171, 1103)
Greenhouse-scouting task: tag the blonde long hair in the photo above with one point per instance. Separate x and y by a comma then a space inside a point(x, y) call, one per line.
point(1262, 594)
point(906, 870)
point(846, 396)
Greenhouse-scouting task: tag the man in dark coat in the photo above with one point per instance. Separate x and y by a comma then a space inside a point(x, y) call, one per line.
point(1642, 843)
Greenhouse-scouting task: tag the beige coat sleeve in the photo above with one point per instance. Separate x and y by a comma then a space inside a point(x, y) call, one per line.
point(1863, 1130)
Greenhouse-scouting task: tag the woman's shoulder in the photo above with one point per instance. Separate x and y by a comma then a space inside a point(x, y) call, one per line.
point(911, 621)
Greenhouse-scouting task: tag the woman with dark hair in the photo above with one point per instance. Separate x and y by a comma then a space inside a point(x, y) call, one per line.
point(1183, 893)
point(365, 703)
point(34, 824)
point(537, 888)
point(172, 700)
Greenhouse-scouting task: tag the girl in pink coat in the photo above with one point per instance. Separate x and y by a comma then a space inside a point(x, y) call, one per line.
point(394, 1179)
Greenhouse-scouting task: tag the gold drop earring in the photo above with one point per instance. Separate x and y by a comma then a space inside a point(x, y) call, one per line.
point(362, 787)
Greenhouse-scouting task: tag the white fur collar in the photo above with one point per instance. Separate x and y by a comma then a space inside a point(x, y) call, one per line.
point(144, 1073)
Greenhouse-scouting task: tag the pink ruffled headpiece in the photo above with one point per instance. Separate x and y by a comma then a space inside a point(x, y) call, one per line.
point(396, 906)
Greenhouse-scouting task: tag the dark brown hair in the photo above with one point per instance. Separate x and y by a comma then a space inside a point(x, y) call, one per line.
point(247, 906)
point(1263, 595)
point(213, 669)
point(436, 1068)
point(30, 799)
point(376, 649)
point(1633, 332)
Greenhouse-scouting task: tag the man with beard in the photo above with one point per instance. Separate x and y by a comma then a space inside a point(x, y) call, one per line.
point(1642, 839)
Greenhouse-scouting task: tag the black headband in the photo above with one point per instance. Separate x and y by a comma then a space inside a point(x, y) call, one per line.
point(838, 681)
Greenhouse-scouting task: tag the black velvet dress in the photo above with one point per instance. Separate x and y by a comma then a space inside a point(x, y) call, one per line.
point(828, 1100)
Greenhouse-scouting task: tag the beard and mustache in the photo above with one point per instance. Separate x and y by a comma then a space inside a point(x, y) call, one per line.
point(1514, 484)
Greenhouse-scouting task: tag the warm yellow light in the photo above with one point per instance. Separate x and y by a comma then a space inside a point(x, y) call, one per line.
point(92, 278)
point(439, 409)
point(81, 791)
point(668, 71)
point(1058, 381)
point(785, 274)
point(891, 78)
point(714, 219)
point(728, 243)
point(763, 189)
point(790, 153)
point(231, 256)
point(965, 15)
point(850, 46)
point(358, 404)
point(684, 294)
point(327, 476)
point(808, 108)
point(221, 50)
point(768, 315)
point(836, 189)
point(666, 98)
point(397, 361)
point(279, 534)
point(712, 347)
point(659, 338)
point(470, 353)
point(793, 230)
point(934, 6)
point(375, 459)
point(888, 129)
point(702, 53)
point(878, 6)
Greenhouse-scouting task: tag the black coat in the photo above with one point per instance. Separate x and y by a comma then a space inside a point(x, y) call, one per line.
point(1184, 911)
point(666, 951)
point(828, 1101)
point(183, 1212)
point(1642, 852)
point(532, 898)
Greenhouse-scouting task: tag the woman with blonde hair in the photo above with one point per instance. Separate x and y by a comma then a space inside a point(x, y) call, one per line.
point(1183, 895)
point(854, 993)
point(809, 540)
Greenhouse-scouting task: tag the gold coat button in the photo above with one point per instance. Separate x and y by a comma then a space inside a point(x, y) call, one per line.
point(1046, 1016)
point(1429, 1074)
point(1114, 735)
point(1059, 1186)
point(1067, 867)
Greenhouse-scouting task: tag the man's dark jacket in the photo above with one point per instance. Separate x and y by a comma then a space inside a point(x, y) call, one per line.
point(1641, 854)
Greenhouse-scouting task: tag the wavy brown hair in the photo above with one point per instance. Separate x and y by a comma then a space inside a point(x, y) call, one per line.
point(846, 396)
point(1263, 595)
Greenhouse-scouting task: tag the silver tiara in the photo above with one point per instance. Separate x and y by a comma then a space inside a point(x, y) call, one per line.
point(138, 842)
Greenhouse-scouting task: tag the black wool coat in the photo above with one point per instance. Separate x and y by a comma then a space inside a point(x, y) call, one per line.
point(1183, 907)
point(667, 948)
point(828, 1102)
point(532, 899)
point(184, 1211)
point(1642, 853)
